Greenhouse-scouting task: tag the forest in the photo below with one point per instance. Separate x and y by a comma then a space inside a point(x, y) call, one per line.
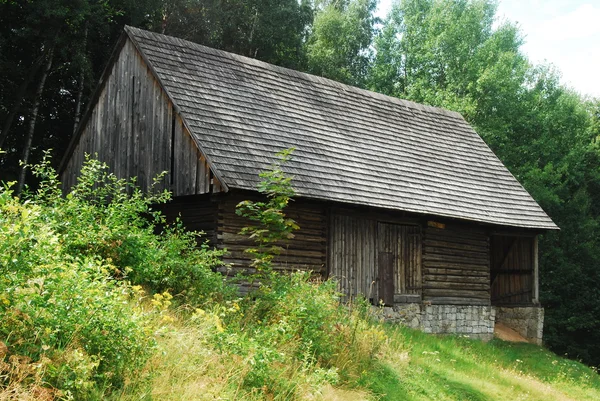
point(453, 54)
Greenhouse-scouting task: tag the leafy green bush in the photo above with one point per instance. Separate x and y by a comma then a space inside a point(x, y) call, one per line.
point(296, 326)
point(64, 318)
point(112, 218)
point(71, 318)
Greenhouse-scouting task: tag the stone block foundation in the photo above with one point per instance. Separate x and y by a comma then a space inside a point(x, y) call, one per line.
point(528, 321)
point(475, 321)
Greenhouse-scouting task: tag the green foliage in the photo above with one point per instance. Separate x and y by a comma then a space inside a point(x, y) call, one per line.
point(295, 323)
point(63, 317)
point(338, 45)
point(447, 54)
point(271, 30)
point(70, 319)
point(111, 218)
point(273, 226)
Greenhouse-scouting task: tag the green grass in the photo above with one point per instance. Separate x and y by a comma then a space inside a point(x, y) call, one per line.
point(411, 366)
point(427, 367)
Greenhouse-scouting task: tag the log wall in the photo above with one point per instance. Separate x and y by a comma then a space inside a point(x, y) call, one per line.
point(134, 129)
point(456, 265)
point(197, 213)
point(307, 250)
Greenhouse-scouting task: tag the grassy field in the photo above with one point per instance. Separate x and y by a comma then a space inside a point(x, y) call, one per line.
point(410, 366)
point(425, 367)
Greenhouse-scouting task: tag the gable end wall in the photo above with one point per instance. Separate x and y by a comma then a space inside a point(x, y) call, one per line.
point(134, 128)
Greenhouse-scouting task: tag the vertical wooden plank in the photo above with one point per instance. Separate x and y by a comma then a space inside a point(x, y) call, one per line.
point(141, 124)
point(192, 154)
point(157, 132)
point(536, 273)
point(386, 262)
point(166, 158)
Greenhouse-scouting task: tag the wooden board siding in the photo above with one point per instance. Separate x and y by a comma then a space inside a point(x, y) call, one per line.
point(134, 129)
point(456, 265)
point(197, 213)
point(306, 251)
point(352, 254)
point(403, 242)
point(379, 260)
point(512, 269)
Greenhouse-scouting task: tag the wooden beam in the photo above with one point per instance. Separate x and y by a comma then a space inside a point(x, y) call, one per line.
point(536, 283)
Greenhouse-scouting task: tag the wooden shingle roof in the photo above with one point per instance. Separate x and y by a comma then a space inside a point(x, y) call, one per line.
point(352, 145)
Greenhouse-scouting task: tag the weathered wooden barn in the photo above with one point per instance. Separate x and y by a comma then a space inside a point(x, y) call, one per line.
point(400, 202)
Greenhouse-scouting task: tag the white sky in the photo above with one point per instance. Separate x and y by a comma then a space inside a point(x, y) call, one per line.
point(565, 33)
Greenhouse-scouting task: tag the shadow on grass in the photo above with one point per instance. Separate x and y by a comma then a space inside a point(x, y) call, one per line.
point(383, 381)
point(386, 384)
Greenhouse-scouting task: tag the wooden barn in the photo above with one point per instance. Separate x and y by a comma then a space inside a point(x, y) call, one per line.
point(400, 202)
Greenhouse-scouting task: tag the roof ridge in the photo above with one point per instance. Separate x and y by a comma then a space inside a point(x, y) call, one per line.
point(303, 75)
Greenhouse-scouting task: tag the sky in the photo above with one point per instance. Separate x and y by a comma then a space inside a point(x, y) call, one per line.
point(564, 33)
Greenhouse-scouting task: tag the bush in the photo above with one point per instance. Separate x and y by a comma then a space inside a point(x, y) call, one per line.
point(296, 326)
point(112, 218)
point(72, 320)
point(63, 317)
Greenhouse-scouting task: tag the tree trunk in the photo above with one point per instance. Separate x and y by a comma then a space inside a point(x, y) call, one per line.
point(18, 99)
point(34, 114)
point(80, 84)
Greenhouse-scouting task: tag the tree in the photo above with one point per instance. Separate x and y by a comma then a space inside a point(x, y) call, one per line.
point(447, 54)
point(271, 30)
point(273, 227)
point(338, 46)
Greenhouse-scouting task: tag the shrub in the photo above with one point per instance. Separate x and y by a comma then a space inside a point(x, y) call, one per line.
point(63, 317)
point(112, 218)
point(71, 319)
point(296, 328)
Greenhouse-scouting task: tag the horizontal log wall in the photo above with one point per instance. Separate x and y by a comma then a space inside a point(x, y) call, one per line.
point(306, 251)
point(135, 130)
point(197, 213)
point(456, 265)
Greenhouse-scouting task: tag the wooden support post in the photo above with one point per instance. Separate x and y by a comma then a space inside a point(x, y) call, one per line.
point(536, 283)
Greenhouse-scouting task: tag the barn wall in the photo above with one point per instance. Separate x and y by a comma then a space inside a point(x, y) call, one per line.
point(512, 269)
point(134, 129)
point(456, 264)
point(197, 213)
point(376, 254)
point(306, 251)
point(352, 254)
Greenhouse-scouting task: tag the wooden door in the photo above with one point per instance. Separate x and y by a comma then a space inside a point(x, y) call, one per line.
point(399, 263)
point(386, 262)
